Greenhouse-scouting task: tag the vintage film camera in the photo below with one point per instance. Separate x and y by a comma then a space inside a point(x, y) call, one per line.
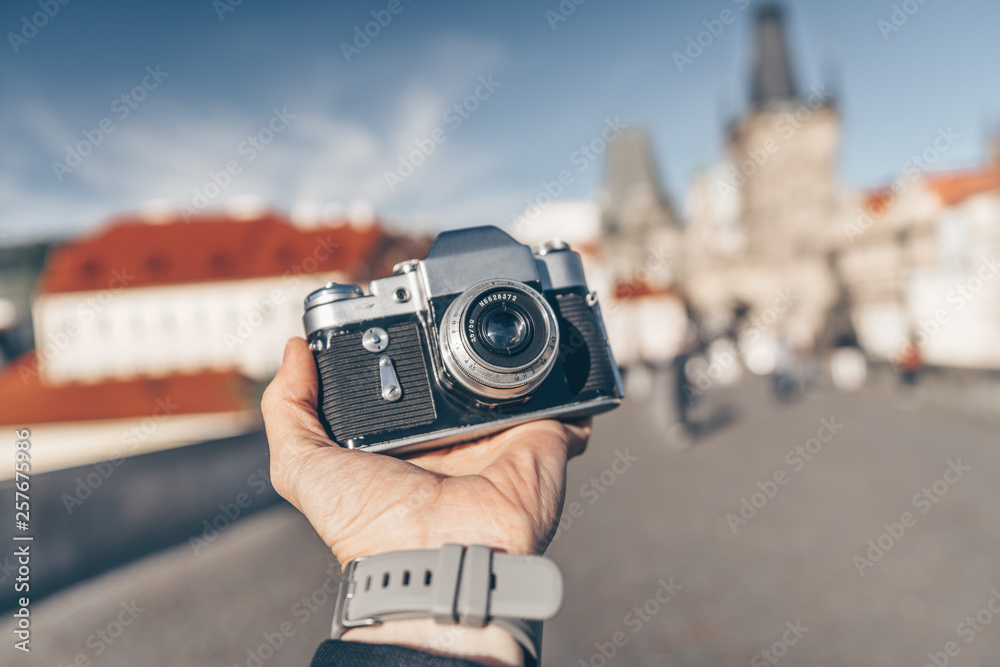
point(482, 334)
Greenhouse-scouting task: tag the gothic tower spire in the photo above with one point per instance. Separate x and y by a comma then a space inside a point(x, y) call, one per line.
point(772, 68)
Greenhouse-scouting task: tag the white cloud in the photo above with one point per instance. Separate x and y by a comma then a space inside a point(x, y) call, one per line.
point(326, 154)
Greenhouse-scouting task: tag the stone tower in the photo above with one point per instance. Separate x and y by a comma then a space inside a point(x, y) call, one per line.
point(635, 201)
point(783, 151)
point(766, 218)
point(637, 216)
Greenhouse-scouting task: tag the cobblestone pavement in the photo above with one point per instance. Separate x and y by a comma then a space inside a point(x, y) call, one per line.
point(656, 573)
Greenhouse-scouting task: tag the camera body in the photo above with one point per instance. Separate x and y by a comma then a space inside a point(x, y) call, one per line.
point(482, 334)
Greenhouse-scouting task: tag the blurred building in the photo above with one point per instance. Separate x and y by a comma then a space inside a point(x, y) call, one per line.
point(641, 243)
point(171, 325)
point(776, 248)
point(629, 242)
point(922, 261)
point(912, 261)
point(762, 223)
point(218, 293)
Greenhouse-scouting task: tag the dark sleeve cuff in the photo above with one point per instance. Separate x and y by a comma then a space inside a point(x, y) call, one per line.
point(334, 653)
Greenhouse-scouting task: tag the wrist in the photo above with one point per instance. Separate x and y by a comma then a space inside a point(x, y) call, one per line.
point(489, 645)
point(471, 602)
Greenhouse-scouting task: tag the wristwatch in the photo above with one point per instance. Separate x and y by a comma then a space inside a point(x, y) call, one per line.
point(470, 586)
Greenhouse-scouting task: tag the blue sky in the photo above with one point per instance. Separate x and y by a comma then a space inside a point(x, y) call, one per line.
point(553, 90)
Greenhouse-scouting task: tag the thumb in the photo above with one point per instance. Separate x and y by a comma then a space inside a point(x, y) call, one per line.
point(289, 404)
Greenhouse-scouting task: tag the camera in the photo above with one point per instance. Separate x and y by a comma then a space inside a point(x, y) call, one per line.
point(482, 334)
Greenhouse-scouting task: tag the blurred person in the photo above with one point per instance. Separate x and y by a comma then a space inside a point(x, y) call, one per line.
point(784, 379)
point(909, 363)
point(685, 393)
point(505, 491)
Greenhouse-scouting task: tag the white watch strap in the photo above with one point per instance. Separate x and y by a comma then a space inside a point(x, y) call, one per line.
point(471, 586)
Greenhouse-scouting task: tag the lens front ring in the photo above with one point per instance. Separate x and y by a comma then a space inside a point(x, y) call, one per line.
point(498, 376)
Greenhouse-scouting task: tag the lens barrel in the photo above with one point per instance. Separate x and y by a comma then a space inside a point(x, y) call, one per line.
point(499, 338)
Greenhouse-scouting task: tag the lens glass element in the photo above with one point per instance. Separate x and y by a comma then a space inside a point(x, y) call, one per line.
point(505, 331)
point(499, 339)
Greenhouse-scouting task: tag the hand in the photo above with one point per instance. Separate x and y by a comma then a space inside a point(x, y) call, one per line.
point(505, 491)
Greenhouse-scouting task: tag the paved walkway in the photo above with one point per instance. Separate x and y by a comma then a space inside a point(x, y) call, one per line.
point(656, 572)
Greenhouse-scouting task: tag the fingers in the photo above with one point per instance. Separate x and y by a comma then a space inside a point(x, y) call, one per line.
point(530, 457)
point(547, 443)
point(535, 451)
point(473, 458)
point(579, 435)
point(289, 402)
point(289, 409)
point(530, 471)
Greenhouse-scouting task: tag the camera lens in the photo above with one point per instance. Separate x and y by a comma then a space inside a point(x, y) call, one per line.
point(498, 339)
point(505, 331)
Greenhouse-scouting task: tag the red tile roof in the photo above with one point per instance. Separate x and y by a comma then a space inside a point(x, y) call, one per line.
point(25, 401)
point(210, 247)
point(625, 289)
point(955, 187)
point(876, 201)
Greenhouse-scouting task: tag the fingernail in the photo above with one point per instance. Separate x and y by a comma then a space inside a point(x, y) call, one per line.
point(288, 346)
